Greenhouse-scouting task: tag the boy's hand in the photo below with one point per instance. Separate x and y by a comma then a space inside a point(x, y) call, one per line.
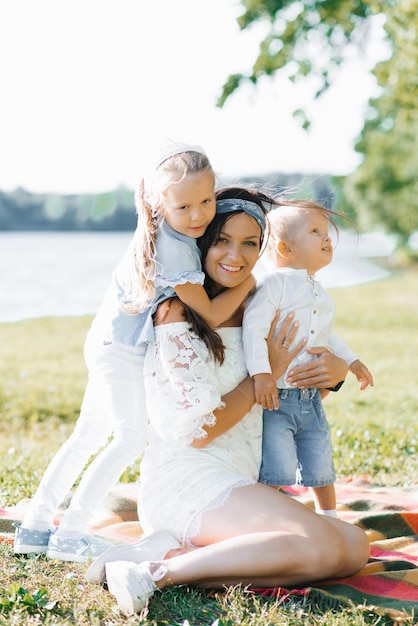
point(362, 374)
point(266, 393)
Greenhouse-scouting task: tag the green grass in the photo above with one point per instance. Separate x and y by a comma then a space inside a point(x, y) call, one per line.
point(42, 380)
point(374, 431)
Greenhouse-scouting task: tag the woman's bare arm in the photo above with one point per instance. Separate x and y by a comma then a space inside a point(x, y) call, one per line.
point(240, 400)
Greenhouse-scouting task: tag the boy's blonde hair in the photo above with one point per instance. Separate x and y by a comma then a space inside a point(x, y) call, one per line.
point(285, 218)
point(149, 202)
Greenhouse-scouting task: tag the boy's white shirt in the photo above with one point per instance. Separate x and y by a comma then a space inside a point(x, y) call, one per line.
point(290, 290)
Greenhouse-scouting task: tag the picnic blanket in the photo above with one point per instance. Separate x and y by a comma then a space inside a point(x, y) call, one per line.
point(388, 584)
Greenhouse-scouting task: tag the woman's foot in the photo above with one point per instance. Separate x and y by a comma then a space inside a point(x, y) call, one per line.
point(153, 547)
point(132, 584)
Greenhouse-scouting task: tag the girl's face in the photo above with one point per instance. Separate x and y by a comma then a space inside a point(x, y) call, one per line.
point(234, 253)
point(190, 205)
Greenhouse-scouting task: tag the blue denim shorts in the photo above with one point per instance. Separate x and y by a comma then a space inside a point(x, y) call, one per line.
point(297, 441)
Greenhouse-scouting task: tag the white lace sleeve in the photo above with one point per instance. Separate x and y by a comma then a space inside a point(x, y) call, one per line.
point(181, 384)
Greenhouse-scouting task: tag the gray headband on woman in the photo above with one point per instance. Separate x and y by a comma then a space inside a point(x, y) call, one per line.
point(229, 205)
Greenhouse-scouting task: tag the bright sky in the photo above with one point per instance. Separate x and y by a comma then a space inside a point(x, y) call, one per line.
point(89, 87)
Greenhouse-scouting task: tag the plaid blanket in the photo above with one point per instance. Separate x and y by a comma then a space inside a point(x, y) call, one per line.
point(387, 584)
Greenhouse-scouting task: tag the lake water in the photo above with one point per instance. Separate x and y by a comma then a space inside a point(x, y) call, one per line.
point(56, 274)
point(44, 274)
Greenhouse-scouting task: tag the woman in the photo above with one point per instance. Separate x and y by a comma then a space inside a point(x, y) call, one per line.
point(199, 472)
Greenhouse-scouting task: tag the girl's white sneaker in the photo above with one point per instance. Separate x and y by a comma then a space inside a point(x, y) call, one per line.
point(76, 547)
point(28, 541)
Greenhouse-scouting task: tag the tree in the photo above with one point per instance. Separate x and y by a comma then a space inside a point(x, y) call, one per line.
point(384, 188)
point(311, 39)
point(304, 39)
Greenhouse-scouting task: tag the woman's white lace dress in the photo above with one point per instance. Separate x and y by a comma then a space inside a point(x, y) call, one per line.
point(184, 386)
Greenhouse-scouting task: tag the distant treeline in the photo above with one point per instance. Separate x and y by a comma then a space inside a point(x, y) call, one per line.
point(115, 210)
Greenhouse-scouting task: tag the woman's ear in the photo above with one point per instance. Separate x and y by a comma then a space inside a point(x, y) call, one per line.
point(284, 249)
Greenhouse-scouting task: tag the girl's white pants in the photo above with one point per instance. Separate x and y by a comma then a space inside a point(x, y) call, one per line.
point(113, 405)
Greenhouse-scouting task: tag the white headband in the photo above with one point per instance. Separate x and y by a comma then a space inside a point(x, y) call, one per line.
point(166, 151)
point(175, 147)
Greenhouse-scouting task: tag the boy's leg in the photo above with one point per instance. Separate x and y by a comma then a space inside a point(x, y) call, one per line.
point(279, 461)
point(324, 500)
point(315, 453)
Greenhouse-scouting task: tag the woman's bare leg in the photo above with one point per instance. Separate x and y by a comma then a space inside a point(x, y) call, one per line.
point(265, 538)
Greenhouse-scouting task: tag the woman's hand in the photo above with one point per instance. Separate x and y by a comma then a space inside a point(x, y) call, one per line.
point(279, 354)
point(327, 370)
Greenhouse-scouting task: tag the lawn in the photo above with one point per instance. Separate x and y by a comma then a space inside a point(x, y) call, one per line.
point(42, 379)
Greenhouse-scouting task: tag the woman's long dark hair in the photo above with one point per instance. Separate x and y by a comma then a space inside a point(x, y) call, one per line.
point(198, 325)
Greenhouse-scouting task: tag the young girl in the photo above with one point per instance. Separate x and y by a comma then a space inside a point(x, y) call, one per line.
point(175, 203)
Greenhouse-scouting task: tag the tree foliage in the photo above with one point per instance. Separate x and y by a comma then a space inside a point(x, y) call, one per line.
point(312, 39)
point(304, 38)
point(21, 210)
point(384, 188)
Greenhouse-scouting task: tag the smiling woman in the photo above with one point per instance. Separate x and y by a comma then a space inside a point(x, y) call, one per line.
point(236, 252)
point(200, 469)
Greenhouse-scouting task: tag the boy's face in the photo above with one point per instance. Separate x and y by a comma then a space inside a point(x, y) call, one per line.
point(190, 204)
point(311, 246)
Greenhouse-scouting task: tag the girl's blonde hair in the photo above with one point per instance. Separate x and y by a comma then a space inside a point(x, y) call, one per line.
point(149, 203)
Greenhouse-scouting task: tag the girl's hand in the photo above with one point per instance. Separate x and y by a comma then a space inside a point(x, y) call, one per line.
point(279, 354)
point(325, 371)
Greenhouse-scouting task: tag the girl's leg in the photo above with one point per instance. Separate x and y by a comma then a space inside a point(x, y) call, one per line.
point(97, 481)
point(68, 463)
point(266, 538)
point(126, 407)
